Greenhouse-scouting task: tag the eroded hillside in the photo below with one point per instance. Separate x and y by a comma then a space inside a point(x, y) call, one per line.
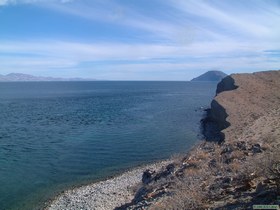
point(236, 173)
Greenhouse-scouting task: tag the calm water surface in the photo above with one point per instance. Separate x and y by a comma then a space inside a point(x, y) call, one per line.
point(58, 134)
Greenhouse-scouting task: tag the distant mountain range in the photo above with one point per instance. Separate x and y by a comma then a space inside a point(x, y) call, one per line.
point(18, 77)
point(211, 76)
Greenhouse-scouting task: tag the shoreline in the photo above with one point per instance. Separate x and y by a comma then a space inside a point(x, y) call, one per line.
point(236, 172)
point(109, 193)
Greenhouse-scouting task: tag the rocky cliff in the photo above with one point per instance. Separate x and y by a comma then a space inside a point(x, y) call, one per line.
point(255, 100)
point(242, 170)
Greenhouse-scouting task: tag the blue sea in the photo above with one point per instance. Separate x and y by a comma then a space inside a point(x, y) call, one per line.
point(56, 135)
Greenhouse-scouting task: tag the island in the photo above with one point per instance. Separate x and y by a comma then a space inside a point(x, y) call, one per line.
point(210, 76)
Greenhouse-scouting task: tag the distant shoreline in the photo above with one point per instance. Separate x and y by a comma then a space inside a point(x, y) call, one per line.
point(19, 77)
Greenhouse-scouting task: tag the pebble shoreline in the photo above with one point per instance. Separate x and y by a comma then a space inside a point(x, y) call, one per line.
point(104, 195)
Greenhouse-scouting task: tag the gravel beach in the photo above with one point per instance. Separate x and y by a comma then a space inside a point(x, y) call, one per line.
point(106, 194)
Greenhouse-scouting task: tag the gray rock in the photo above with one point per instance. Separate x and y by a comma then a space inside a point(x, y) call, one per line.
point(260, 187)
point(170, 168)
point(212, 163)
point(227, 149)
point(147, 176)
point(241, 145)
point(256, 148)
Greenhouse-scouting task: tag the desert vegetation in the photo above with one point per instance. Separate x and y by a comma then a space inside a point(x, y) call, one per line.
point(236, 172)
point(213, 176)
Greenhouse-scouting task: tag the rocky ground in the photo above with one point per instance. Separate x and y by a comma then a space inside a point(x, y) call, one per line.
point(235, 171)
point(106, 194)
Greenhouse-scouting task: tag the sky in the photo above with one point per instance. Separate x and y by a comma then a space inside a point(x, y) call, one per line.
point(138, 39)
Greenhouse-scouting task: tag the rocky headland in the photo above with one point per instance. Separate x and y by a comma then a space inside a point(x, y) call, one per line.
point(236, 167)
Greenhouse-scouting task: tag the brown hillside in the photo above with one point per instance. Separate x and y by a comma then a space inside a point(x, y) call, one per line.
point(241, 171)
point(254, 107)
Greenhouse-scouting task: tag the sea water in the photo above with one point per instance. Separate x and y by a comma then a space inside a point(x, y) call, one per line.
point(56, 135)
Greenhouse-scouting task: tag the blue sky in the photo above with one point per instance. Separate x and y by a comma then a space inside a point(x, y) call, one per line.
point(138, 39)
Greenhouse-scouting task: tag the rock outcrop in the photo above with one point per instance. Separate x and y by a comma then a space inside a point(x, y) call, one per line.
point(215, 120)
point(239, 172)
point(226, 84)
point(255, 96)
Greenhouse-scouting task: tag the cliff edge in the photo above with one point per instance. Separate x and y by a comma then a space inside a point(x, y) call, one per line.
point(239, 170)
point(250, 109)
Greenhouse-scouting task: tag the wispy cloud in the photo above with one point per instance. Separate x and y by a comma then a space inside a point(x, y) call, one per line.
point(108, 51)
point(100, 57)
point(175, 35)
point(14, 2)
point(225, 17)
point(203, 19)
point(111, 12)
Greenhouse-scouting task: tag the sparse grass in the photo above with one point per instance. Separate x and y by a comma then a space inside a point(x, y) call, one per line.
point(266, 146)
point(271, 164)
point(203, 183)
point(202, 155)
point(202, 179)
point(187, 194)
point(235, 166)
point(238, 154)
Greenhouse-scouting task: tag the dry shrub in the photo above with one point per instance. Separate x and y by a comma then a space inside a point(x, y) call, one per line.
point(237, 154)
point(265, 146)
point(190, 172)
point(235, 166)
point(270, 139)
point(177, 158)
point(186, 194)
point(189, 192)
point(201, 155)
point(275, 175)
point(266, 165)
point(273, 168)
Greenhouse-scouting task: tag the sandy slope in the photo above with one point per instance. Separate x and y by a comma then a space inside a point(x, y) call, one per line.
point(254, 107)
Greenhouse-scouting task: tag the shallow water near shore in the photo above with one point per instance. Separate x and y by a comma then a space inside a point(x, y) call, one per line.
point(55, 135)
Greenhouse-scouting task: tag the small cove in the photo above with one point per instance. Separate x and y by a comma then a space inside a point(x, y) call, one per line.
point(54, 135)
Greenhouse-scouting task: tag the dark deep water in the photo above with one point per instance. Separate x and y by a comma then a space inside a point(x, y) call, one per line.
point(58, 134)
